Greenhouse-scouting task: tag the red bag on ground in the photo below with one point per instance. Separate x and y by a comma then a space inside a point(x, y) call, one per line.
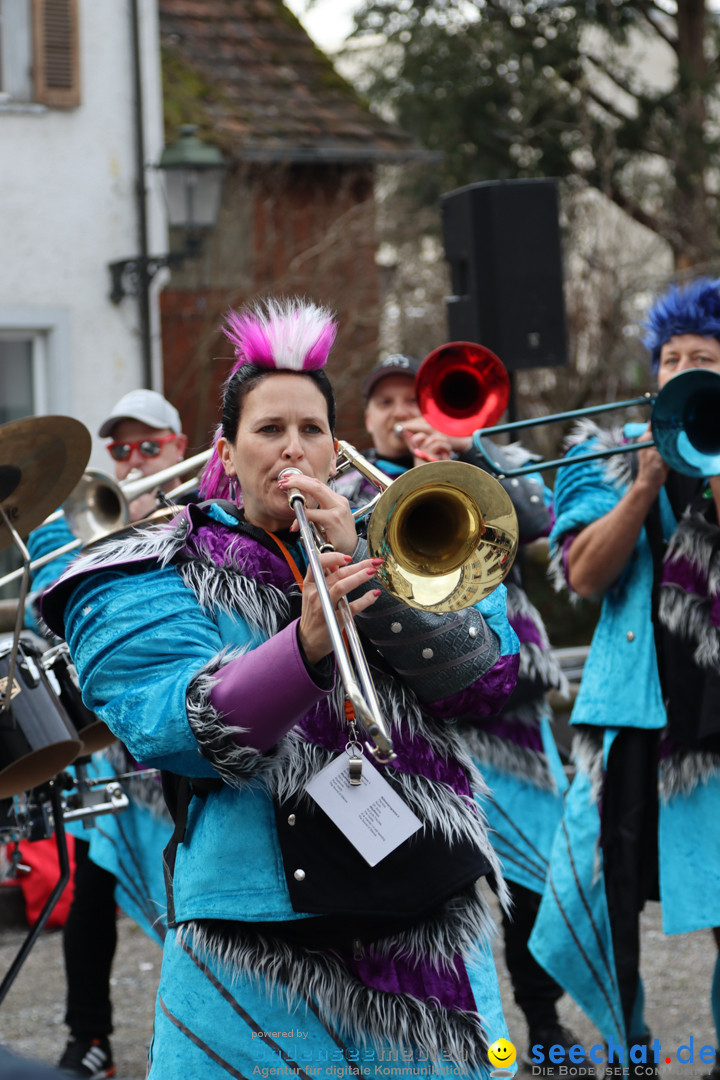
point(44, 873)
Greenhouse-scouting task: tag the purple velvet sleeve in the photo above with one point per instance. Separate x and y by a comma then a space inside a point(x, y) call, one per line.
point(266, 691)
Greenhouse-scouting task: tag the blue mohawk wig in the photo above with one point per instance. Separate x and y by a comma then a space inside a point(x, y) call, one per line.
point(688, 309)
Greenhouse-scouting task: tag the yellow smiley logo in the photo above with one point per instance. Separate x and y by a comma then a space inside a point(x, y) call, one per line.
point(502, 1053)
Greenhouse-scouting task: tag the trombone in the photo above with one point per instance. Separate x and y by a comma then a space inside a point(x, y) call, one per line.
point(460, 383)
point(447, 532)
point(364, 701)
point(99, 505)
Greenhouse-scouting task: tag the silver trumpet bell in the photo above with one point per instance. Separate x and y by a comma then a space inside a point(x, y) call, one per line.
point(100, 505)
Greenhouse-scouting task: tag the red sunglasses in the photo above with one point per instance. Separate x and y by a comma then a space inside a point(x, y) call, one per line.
point(121, 451)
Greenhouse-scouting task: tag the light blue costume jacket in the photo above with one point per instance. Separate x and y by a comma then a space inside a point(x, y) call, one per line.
point(623, 644)
point(138, 640)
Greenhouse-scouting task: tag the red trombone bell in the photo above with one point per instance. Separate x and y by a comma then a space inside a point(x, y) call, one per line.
point(462, 386)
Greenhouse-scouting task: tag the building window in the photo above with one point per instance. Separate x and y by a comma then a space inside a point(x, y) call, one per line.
point(22, 393)
point(39, 55)
point(17, 398)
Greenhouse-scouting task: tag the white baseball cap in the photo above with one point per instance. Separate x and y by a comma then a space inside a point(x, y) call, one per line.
point(148, 407)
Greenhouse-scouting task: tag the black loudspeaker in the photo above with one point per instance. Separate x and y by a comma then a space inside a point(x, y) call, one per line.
point(502, 240)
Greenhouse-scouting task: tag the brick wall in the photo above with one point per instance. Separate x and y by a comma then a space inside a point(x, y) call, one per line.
point(290, 231)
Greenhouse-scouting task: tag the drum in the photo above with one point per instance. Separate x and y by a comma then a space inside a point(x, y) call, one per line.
point(60, 670)
point(37, 738)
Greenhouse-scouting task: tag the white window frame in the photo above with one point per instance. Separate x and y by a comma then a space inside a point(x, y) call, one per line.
point(48, 330)
point(16, 51)
point(38, 365)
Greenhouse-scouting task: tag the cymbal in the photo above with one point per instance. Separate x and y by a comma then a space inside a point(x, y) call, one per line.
point(41, 460)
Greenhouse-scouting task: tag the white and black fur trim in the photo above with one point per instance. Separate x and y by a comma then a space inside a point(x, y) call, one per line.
point(687, 614)
point(375, 1017)
point(556, 575)
point(617, 470)
point(520, 761)
point(682, 771)
point(263, 606)
point(689, 617)
point(586, 753)
point(234, 763)
point(694, 540)
point(160, 544)
point(543, 665)
point(536, 661)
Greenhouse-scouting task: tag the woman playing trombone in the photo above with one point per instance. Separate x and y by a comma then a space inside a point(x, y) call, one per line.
point(204, 647)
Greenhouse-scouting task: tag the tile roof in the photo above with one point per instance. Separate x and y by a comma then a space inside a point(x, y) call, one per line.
point(248, 73)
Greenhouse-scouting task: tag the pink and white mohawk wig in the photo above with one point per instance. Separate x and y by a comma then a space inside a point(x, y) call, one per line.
point(290, 335)
point(294, 335)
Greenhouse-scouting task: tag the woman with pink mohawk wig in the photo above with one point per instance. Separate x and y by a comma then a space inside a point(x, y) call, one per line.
point(282, 335)
point(288, 949)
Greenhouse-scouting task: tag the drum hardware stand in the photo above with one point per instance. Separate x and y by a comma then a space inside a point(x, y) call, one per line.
point(25, 580)
point(86, 804)
point(55, 812)
point(64, 864)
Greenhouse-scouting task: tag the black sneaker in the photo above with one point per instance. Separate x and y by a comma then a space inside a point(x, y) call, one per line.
point(552, 1035)
point(89, 1058)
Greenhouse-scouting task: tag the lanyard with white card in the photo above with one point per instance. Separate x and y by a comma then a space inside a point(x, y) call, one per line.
point(369, 813)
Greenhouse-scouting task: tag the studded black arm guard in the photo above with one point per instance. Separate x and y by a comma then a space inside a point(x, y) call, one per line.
point(435, 654)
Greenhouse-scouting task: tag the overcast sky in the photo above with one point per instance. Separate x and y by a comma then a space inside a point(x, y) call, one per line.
point(328, 22)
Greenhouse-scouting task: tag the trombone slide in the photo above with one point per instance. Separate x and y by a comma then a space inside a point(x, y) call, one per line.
point(358, 684)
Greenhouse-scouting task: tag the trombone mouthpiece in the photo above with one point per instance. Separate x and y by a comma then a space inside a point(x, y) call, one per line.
point(293, 494)
point(398, 429)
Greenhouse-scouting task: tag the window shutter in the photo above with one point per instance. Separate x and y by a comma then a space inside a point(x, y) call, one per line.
point(56, 53)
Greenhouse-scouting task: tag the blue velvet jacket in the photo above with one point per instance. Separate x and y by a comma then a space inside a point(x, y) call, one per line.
point(150, 619)
point(620, 685)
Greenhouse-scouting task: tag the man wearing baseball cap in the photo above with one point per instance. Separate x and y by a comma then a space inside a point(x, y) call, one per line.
point(146, 437)
point(401, 437)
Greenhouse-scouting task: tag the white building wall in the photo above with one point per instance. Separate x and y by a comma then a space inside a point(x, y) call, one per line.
point(68, 208)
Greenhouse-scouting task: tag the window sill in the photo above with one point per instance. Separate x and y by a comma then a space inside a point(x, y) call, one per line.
point(22, 108)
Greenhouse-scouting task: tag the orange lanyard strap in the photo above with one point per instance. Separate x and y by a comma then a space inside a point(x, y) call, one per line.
point(288, 558)
point(349, 709)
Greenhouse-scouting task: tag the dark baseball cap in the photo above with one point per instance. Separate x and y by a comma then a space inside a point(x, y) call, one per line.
point(397, 364)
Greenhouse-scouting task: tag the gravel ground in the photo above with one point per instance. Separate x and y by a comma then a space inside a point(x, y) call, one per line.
point(677, 974)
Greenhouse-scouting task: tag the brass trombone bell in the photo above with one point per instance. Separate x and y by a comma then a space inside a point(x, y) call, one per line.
point(448, 534)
